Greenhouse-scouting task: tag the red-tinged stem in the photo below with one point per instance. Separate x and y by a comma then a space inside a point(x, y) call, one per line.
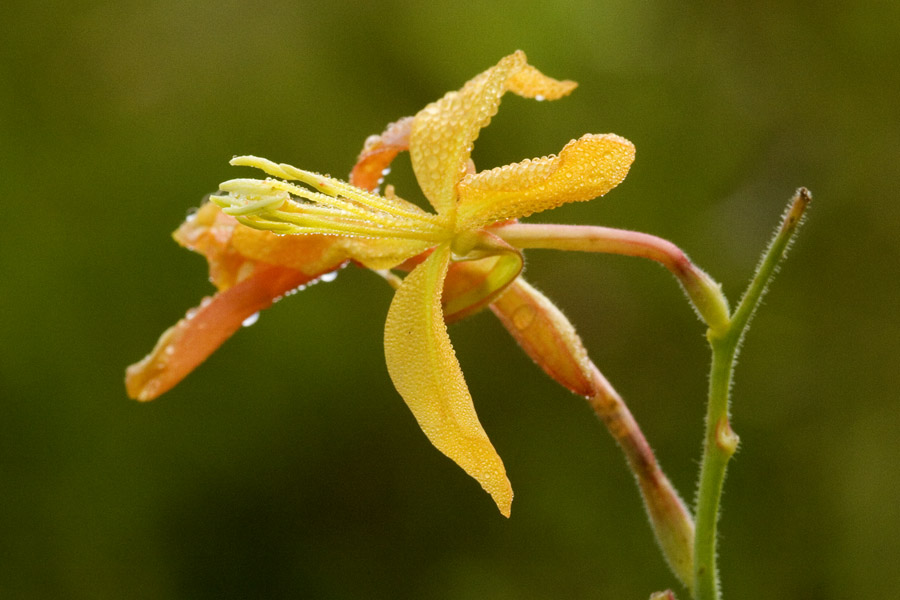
point(704, 293)
point(671, 520)
point(548, 337)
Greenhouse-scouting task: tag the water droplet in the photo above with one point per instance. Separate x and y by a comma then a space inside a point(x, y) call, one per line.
point(250, 320)
point(540, 98)
point(523, 316)
point(386, 171)
point(327, 277)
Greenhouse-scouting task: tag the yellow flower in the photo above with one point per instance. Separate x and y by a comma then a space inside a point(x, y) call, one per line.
point(457, 265)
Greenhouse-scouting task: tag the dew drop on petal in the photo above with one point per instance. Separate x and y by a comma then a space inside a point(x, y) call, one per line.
point(251, 320)
point(327, 277)
point(539, 98)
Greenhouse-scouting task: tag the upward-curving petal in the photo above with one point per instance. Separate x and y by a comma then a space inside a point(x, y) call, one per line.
point(378, 152)
point(424, 369)
point(585, 168)
point(443, 132)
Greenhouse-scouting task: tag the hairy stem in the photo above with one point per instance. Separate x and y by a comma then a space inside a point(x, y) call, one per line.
point(704, 293)
point(720, 442)
point(669, 516)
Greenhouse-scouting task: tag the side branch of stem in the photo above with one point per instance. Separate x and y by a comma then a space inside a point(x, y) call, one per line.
point(704, 293)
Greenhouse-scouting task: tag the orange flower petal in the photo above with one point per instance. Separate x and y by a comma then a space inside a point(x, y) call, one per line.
point(546, 335)
point(188, 343)
point(233, 250)
point(585, 168)
point(424, 369)
point(443, 132)
point(309, 254)
point(209, 232)
point(378, 153)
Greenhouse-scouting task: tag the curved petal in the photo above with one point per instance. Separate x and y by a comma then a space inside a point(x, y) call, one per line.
point(233, 250)
point(424, 369)
point(188, 343)
point(209, 232)
point(309, 254)
point(443, 132)
point(585, 168)
point(383, 254)
point(378, 153)
point(546, 335)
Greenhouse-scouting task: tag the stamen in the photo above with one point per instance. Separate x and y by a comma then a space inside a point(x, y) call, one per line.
point(334, 188)
point(332, 207)
point(347, 226)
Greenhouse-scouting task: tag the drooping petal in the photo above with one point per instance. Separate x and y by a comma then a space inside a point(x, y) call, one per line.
point(188, 343)
point(585, 169)
point(443, 132)
point(424, 369)
point(378, 153)
point(546, 335)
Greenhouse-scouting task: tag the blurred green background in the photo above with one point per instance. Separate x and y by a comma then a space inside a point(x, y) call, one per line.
point(287, 466)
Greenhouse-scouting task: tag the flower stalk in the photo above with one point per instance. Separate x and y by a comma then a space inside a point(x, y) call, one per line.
point(549, 338)
point(670, 518)
point(689, 549)
point(720, 441)
point(705, 294)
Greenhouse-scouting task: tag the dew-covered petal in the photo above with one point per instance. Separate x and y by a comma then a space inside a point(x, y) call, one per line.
point(189, 342)
point(585, 168)
point(311, 254)
point(528, 82)
point(424, 369)
point(443, 132)
point(378, 153)
point(382, 254)
point(546, 335)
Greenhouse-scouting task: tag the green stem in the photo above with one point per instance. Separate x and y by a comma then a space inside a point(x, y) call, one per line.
point(720, 444)
point(725, 333)
point(720, 441)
